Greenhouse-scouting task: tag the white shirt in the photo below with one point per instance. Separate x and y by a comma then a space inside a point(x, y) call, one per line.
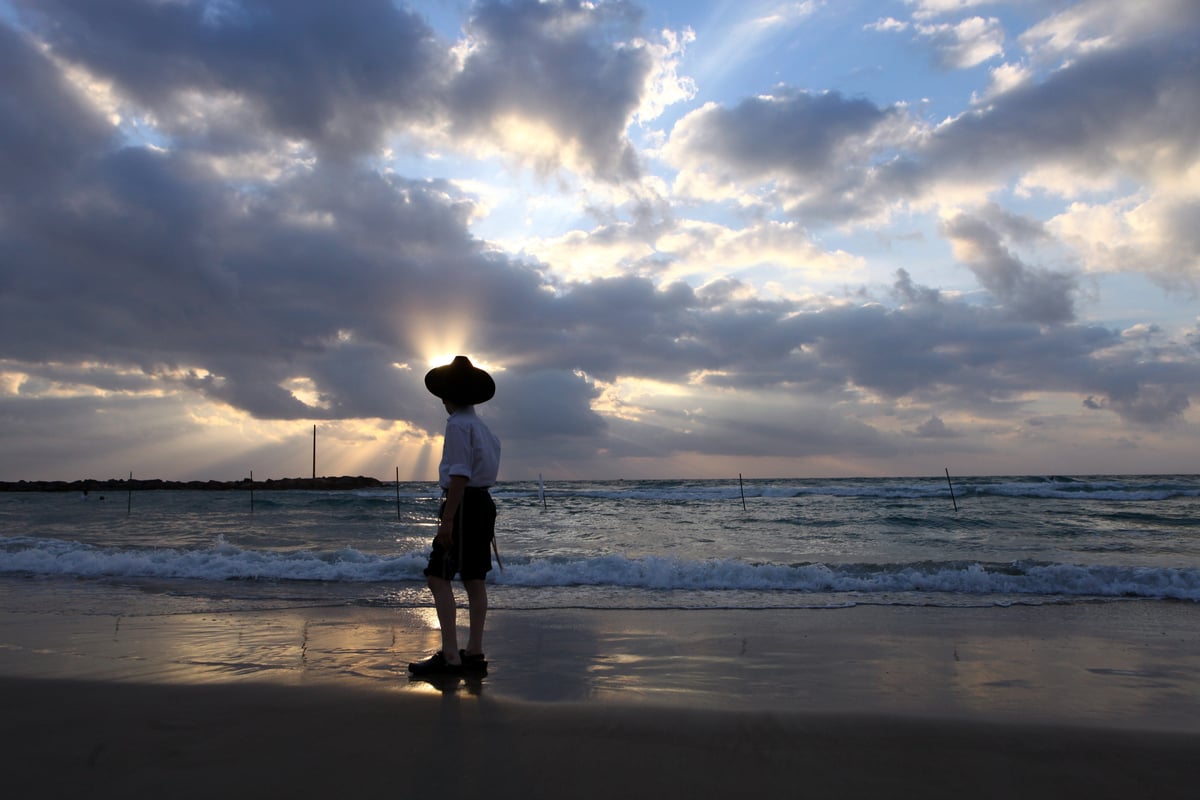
point(469, 448)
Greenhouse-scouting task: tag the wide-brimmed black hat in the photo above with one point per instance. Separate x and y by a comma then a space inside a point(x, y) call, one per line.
point(460, 382)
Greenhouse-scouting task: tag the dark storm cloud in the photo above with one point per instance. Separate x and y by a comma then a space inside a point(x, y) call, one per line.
point(44, 128)
point(545, 403)
point(148, 260)
point(133, 257)
point(947, 353)
point(341, 77)
point(163, 259)
point(337, 76)
point(609, 327)
point(955, 355)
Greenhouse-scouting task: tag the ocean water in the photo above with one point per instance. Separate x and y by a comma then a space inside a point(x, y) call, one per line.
point(686, 544)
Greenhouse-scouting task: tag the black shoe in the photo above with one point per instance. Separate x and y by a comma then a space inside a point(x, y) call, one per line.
point(436, 664)
point(473, 663)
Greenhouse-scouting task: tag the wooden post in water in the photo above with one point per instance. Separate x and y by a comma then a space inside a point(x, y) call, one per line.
point(251, 491)
point(397, 493)
point(951, 485)
point(743, 491)
point(129, 496)
point(314, 452)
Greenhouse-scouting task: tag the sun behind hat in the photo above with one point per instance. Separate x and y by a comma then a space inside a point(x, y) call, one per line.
point(460, 382)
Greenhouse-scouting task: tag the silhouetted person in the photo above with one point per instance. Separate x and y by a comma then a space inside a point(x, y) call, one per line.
point(470, 461)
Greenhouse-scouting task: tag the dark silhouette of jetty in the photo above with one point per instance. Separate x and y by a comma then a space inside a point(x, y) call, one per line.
point(342, 483)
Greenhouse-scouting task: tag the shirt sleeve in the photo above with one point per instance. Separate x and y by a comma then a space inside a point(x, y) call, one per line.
point(456, 451)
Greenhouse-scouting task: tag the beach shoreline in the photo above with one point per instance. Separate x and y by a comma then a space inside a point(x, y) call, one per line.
point(1096, 699)
point(1131, 665)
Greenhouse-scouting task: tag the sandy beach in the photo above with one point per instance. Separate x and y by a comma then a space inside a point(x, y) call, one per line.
point(1095, 700)
point(73, 739)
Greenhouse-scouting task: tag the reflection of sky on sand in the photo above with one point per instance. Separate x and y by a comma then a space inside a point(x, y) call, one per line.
point(1014, 664)
point(292, 647)
point(1089, 678)
point(1122, 664)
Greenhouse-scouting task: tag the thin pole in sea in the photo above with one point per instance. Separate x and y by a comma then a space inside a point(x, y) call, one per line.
point(951, 485)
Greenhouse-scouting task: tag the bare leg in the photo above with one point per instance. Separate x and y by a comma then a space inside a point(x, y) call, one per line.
point(478, 600)
point(447, 613)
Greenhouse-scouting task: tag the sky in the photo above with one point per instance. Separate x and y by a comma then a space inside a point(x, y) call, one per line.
point(688, 239)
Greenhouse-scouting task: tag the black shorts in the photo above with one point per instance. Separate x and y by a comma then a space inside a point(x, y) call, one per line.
point(471, 553)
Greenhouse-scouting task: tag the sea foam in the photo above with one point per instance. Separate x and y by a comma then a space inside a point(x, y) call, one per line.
point(223, 561)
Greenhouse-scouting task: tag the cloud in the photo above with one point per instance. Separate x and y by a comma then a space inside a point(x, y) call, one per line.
point(934, 428)
point(1149, 404)
point(336, 78)
point(235, 82)
point(1085, 27)
point(888, 24)
point(1158, 236)
point(1005, 77)
point(539, 404)
point(1123, 113)
point(131, 257)
point(570, 95)
point(45, 124)
point(696, 251)
point(1029, 293)
point(804, 147)
point(664, 86)
point(926, 9)
point(198, 231)
point(965, 44)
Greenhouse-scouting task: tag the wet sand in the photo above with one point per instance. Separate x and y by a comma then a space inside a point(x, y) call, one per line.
point(1095, 700)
